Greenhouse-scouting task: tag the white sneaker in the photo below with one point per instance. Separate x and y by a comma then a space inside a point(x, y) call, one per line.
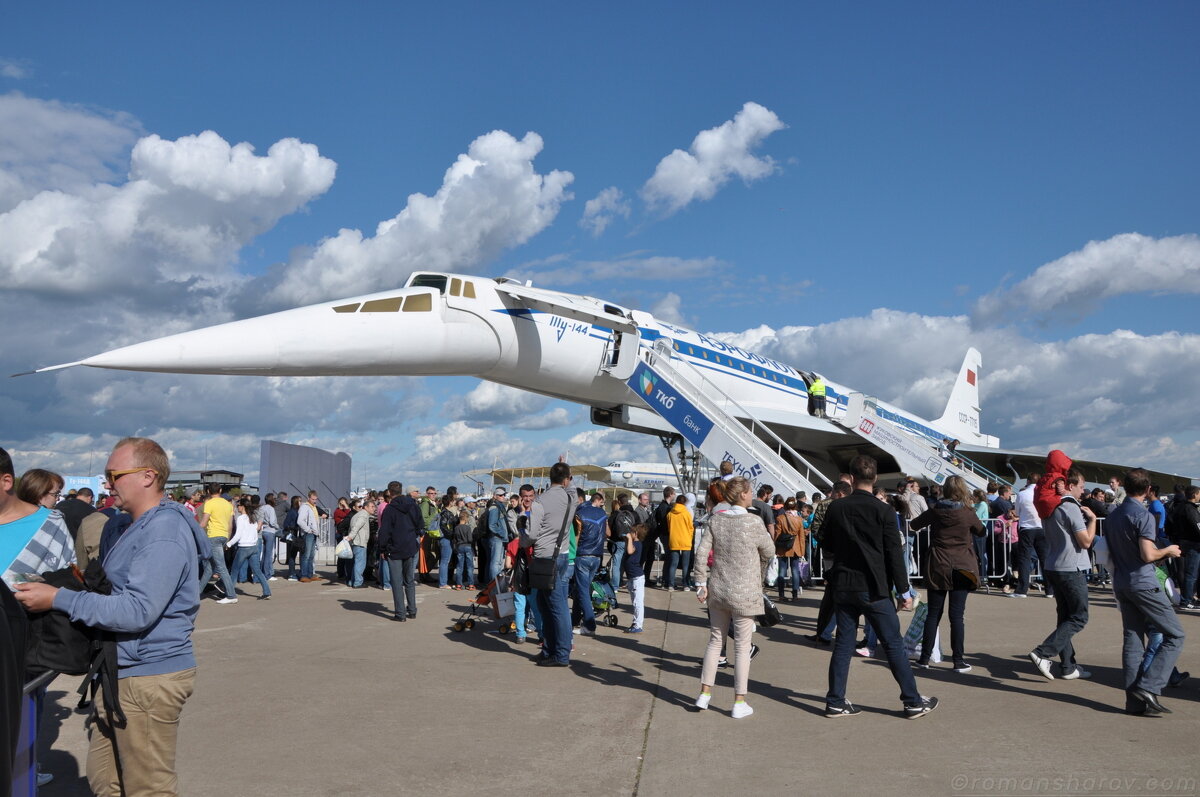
point(742, 710)
point(273, 578)
point(703, 701)
point(1078, 672)
point(228, 600)
point(1043, 666)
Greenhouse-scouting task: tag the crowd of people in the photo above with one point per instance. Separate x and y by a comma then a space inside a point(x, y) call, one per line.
point(559, 545)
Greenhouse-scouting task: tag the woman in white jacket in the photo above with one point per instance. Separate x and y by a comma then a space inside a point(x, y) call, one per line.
point(741, 549)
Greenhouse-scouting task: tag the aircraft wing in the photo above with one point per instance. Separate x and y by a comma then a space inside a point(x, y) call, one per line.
point(1004, 461)
point(580, 308)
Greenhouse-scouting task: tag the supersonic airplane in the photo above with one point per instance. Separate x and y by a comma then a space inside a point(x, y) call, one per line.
point(566, 346)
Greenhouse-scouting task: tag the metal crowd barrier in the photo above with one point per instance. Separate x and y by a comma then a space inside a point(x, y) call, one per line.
point(25, 764)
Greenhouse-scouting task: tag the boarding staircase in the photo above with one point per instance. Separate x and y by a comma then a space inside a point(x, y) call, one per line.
point(707, 417)
point(916, 453)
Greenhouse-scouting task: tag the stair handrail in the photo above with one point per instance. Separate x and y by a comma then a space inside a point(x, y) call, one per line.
point(666, 355)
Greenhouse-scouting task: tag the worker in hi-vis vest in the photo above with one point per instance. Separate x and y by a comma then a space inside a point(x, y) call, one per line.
point(816, 392)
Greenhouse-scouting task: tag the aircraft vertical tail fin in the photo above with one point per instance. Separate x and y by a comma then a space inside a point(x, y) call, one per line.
point(961, 418)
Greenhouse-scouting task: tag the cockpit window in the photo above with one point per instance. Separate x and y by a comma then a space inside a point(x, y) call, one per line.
point(418, 303)
point(389, 305)
point(346, 308)
point(437, 281)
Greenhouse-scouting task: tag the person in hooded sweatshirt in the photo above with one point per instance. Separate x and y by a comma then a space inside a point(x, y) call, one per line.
point(953, 566)
point(152, 611)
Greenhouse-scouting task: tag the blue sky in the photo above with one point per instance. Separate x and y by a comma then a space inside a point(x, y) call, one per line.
point(933, 178)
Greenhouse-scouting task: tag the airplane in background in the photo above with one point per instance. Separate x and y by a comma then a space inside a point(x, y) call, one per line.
point(635, 372)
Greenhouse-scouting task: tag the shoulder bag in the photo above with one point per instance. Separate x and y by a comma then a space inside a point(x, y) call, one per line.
point(541, 568)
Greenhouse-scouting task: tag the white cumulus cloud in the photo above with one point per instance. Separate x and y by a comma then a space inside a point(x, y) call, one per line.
point(1071, 287)
point(49, 145)
point(599, 212)
point(491, 199)
point(716, 156)
point(187, 209)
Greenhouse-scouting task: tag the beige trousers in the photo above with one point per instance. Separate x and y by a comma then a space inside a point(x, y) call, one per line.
point(743, 628)
point(138, 760)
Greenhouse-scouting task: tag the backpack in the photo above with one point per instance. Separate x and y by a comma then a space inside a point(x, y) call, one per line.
point(56, 644)
point(447, 520)
point(481, 523)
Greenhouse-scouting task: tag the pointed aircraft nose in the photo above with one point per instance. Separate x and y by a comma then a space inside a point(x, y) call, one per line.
point(403, 333)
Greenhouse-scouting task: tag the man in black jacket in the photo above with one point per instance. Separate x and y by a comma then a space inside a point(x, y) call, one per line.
point(660, 529)
point(861, 533)
point(1184, 522)
point(400, 530)
point(75, 508)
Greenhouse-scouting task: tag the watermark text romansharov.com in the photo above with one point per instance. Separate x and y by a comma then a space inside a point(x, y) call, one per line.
point(1090, 785)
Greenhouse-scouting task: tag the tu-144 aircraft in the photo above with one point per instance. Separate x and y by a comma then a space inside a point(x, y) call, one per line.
point(636, 373)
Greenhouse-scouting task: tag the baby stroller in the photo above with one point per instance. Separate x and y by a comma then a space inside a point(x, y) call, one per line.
point(604, 599)
point(498, 595)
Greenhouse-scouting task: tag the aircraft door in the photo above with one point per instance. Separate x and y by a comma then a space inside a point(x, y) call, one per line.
point(621, 355)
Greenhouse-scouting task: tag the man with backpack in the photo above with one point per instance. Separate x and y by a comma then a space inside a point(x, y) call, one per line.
point(620, 527)
point(588, 551)
point(152, 610)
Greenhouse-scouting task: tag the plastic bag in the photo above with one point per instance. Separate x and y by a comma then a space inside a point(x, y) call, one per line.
point(343, 549)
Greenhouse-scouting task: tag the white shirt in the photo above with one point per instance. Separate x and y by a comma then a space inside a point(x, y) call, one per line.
point(246, 532)
point(1027, 516)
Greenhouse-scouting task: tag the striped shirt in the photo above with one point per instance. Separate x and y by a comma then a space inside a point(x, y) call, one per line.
point(47, 544)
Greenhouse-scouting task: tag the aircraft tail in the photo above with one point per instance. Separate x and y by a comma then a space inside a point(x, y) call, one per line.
point(961, 418)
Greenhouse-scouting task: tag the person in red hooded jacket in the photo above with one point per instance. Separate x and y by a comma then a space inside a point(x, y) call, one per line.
point(1050, 488)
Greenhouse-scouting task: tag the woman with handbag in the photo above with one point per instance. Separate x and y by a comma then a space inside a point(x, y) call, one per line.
point(791, 541)
point(953, 568)
point(741, 548)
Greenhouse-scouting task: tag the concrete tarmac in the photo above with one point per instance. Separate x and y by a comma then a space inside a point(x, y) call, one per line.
point(319, 692)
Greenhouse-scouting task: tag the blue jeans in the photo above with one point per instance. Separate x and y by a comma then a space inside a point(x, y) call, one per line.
point(526, 604)
point(268, 553)
point(585, 572)
point(307, 569)
point(241, 567)
point(880, 615)
point(1071, 603)
point(1191, 569)
point(216, 560)
point(556, 615)
point(465, 569)
point(495, 556)
point(786, 564)
point(404, 586)
point(681, 559)
point(1029, 541)
point(445, 552)
point(614, 566)
point(249, 557)
point(360, 565)
point(385, 573)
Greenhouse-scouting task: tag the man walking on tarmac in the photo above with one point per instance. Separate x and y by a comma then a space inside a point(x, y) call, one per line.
point(868, 565)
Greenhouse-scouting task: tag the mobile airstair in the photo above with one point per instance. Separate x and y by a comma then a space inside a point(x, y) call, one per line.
point(708, 418)
point(916, 453)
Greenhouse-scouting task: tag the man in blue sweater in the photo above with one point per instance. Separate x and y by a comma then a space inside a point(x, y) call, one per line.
point(153, 568)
